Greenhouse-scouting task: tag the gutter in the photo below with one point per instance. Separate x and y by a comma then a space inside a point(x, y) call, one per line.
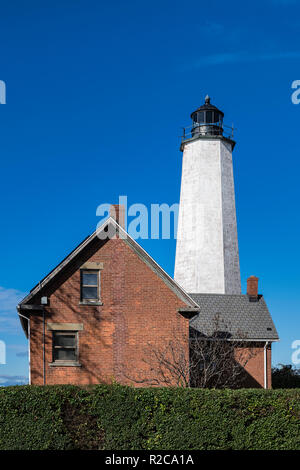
point(265, 366)
point(32, 309)
point(28, 319)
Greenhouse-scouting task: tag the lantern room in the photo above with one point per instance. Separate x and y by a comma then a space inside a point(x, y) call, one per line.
point(207, 120)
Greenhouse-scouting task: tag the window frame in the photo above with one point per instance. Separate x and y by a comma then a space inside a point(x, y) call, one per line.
point(75, 347)
point(92, 300)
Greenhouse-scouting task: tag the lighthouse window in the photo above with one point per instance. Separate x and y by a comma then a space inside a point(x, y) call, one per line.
point(201, 117)
point(209, 117)
point(216, 115)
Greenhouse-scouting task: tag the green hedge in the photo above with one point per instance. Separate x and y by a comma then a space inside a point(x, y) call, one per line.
point(123, 418)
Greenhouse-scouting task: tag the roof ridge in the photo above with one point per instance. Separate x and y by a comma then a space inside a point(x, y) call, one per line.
point(223, 295)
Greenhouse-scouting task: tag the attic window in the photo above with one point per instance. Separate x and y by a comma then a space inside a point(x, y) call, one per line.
point(90, 286)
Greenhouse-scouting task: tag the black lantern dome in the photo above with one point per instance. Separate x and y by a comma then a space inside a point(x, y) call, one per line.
point(207, 120)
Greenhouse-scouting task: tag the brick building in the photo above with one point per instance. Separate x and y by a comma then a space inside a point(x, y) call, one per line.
point(107, 310)
point(93, 318)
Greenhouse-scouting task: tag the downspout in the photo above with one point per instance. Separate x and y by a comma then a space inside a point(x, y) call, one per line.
point(44, 369)
point(28, 319)
point(265, 366)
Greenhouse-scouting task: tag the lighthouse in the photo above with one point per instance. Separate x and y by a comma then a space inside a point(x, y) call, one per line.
point(207, 255)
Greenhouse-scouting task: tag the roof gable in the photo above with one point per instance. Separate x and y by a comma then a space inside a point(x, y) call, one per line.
point(109, 224)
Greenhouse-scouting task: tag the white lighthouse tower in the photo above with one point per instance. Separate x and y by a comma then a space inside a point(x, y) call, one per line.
point(207, 257)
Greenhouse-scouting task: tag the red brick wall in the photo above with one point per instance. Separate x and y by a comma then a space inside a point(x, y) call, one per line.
point(255, 365)
point(138, 307)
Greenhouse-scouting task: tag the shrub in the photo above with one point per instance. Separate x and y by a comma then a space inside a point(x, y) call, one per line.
point(114, 417)
point(285, 376)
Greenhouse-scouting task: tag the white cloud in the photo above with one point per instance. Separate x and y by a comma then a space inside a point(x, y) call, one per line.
point(9, 321)
point(6, 380)
point(283, 2)
point(243, 57)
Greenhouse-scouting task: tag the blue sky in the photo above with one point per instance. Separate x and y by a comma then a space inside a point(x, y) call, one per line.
point(97, 94)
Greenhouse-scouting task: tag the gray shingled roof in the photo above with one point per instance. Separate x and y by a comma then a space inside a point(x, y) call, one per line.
point(237, 314)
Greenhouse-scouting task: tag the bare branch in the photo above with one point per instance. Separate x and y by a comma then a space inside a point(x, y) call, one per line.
point(216, 360)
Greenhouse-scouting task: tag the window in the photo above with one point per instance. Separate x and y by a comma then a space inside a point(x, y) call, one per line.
point(216, 116)
point(90, 286)
point(65, 346)
point(209, 117)
point(201, 117)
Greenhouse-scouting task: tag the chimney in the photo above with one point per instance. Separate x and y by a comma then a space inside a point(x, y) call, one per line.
point(252, 288)
point(117, 212)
